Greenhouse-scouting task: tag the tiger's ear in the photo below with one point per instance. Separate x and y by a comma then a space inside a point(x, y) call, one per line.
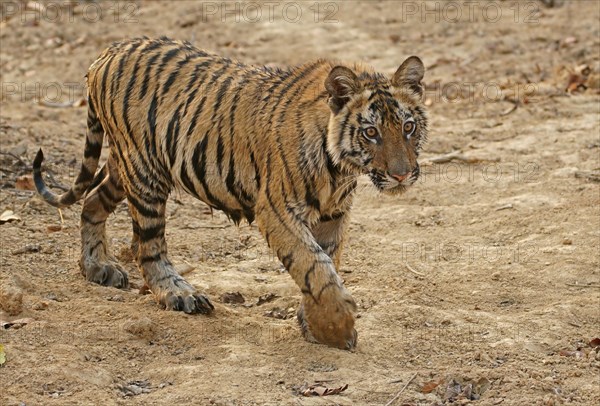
point(410, 74)
point(341, 84)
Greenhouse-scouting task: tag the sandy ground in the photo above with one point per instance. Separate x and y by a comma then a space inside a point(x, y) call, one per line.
point(484, 273)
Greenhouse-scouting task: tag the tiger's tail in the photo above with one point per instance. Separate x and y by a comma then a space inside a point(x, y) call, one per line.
point(91, 156)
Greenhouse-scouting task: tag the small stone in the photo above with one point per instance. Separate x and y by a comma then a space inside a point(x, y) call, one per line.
point(116, 298)
point(40, 306)
point(11, 300)
point(52, 296)
point(29, 248)
point(567, 241)
point(142, 328)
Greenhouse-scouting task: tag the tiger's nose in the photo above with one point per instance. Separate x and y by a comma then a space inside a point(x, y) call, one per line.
point(400, 177)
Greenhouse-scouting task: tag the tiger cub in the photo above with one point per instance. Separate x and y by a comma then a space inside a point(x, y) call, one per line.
point(283, 147)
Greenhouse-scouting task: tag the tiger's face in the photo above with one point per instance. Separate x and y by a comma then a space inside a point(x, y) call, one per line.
point(378, 125)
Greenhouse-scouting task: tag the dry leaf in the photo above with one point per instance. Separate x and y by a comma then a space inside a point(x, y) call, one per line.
point(15, 324)
point(430, 386)
point(594, 343)
point(25, 182)
point(575, 82)
point(232, 298)
point(321, 390)
point(566, 353)
point(54, 228)
point(266, 298)
point(8, 216)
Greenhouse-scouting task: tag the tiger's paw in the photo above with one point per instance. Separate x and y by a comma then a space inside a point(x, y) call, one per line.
point(329, 321)
point(105, 273)
point(190, 303)
point(175, 293)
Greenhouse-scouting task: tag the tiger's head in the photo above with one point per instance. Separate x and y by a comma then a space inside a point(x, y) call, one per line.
point(378, 124)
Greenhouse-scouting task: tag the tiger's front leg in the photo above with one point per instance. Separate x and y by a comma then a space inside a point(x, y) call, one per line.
point(170, 289)
point(328, 310)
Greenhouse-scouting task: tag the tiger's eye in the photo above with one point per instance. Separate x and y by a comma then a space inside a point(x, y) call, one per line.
point(371, 132)
point(408, 127)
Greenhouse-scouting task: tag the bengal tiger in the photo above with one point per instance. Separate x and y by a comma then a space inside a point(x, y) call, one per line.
point(282, 146)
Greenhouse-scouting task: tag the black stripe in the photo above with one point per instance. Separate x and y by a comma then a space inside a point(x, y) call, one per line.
point(219, 157)
point(256, 170)
point(323, 288)
point(172, 136)
point(199, 165)
point(194, 76)
point(310, 271)
point(150, 258)
point(95, 247)
point(149, 64)
point(173, 76)
point(98, 178)
point(85, 218)
point(288, 261)
point(107, 205)
point(140, 208)
point(84, 175)
point(196, 115)
point(152, 117)
point(103, 94)
point(92, 149)
point(172, 53)
point(147, 234)
point(185, 179)
point(105, 189)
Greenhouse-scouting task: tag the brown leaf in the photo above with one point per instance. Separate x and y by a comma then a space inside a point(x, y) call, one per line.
point(575, 82)
point(54, 228)
point(321, 390)
point(266, 298)
point(232, 298)
point(429, 386)
point(25, 182)
point(594, 343)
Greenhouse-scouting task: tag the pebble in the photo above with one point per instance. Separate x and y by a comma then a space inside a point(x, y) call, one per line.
point(11, 300)
point(142, 328)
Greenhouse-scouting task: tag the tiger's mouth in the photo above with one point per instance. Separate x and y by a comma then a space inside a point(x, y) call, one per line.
point(388, 185)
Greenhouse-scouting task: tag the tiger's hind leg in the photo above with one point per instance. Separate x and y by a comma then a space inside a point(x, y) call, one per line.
point(170, 289)
point(97, 263)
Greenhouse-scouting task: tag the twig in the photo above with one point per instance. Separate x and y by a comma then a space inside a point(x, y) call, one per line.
point(593, 176)
point(10, 154)
point(591, 285)
point(401, 390)
point(208, 227)
point(412, 270)
point(458, 156)
point(510, 110)
point(515, 103)
point(506, 206)
point(62, 220)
